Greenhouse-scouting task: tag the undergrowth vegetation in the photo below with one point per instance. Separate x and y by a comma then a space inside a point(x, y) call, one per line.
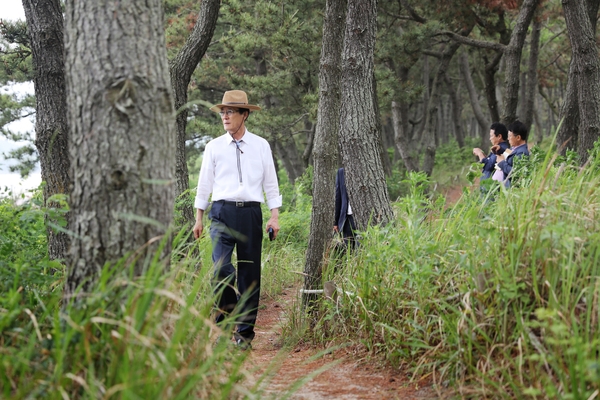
point(497, 295)
point(148, 337)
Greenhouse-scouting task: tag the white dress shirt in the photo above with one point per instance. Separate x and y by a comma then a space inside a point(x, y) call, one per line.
point(220, 175)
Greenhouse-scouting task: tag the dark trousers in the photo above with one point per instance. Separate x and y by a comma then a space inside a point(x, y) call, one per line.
point(348, 232)
point(241, 228)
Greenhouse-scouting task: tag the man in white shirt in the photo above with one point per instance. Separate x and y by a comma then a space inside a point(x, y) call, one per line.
point(237, 168)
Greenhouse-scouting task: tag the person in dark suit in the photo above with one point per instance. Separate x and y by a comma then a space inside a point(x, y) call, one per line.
point(499, 140)
point(517, 137)
point(344, 221)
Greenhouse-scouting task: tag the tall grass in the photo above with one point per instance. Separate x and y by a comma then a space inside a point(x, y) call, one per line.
point(147, 337)
point(497, 296)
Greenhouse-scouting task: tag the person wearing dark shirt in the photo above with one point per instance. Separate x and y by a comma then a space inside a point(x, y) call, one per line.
point(499, 140)
point(517, 137)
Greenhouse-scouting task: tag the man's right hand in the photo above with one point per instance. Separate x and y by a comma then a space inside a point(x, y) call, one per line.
point(479, 153)
point(198, 228)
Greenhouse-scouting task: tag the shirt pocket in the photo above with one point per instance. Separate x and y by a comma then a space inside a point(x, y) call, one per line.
point(254, 172)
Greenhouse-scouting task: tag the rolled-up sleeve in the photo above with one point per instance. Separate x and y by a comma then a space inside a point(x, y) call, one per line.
point(270, 184)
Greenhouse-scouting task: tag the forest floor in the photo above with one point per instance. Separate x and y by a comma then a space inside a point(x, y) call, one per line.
point(341, 374)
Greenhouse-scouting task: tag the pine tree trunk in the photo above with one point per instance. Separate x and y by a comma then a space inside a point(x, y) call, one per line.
point(586, 72)
point(181, 70)
point(290, 155)
point(456, 116)
point(400, 119)
point(325, 153)
point(45, 27)
point(359, 140)
point(490, 86)
point(383, 153)
point(567, 136)
point(532, 79)
point(512, 58)
point(466, 74)
point(434, 100)
point(405, 144)
point(122, 144)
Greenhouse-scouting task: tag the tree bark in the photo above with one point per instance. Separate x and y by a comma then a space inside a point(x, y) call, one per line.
point(512, 58)
point(432, 106)
point(122, 135)
point(490, 86)
point(181, 69)
point(567, 136)
point(46, 32)
point(365, 180)
point(430, 124)
point(325, 152)
point(456, 112)
point(400, 119)
point(530, 90)
point(290, 155)
point(479, 116)
point(383, 153)
point(586, 73)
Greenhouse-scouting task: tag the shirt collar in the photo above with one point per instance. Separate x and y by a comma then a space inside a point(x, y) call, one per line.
point(244, 138)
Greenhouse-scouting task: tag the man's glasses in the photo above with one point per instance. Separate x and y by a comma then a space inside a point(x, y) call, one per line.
point(229, 113)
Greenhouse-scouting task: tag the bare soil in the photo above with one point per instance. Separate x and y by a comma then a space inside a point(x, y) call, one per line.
point(342, 374)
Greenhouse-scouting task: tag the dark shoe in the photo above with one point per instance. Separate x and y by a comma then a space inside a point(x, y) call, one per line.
point(243, 344)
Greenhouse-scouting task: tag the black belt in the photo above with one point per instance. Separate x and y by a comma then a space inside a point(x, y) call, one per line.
point(239, 203)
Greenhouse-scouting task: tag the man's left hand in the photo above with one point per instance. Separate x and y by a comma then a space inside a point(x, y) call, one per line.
point(273, 223)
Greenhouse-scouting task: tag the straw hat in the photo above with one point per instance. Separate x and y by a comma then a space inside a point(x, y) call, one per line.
point(235, 98)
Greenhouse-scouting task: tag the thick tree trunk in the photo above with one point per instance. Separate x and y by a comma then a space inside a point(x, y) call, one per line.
point(587, 74)
point(512, 58)
point(365, 180)
point(530, 88)
point(326, 142)
point(45, 27)
point(122, 143)
point(567, 136)
point(181, 69)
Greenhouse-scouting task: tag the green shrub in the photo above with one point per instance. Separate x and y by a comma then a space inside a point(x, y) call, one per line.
point(498, 297)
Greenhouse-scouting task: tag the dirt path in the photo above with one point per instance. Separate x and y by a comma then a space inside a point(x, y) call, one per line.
point(339, 375)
